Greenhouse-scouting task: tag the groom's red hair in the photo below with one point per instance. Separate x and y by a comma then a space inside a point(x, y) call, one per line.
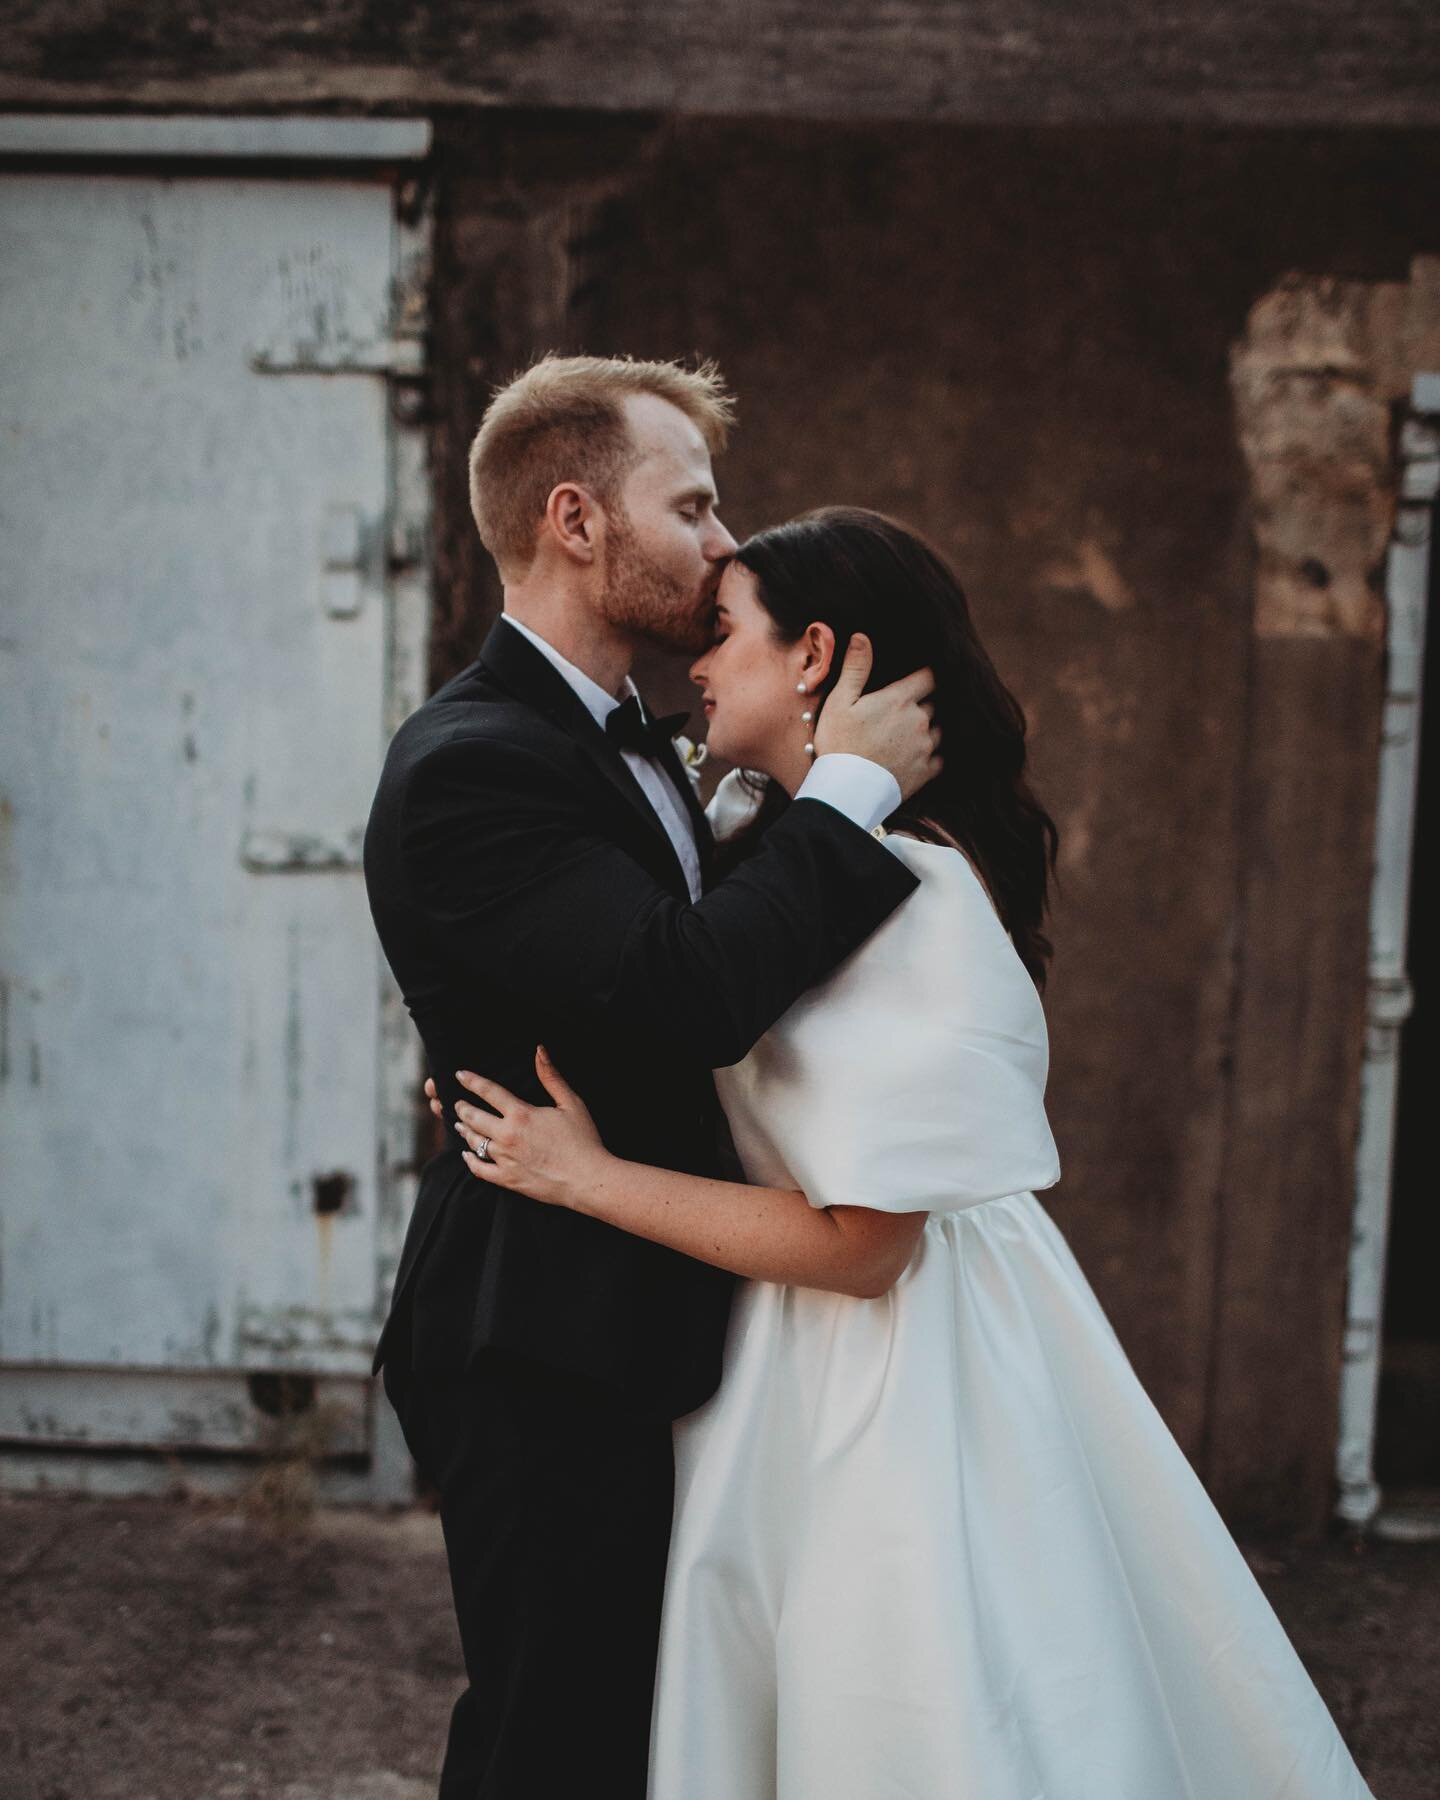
point(562, 420)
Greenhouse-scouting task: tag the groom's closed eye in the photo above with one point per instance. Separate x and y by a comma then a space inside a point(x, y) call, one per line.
point(693, 504)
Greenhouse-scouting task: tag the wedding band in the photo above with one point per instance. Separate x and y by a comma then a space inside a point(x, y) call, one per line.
point(482, 1150)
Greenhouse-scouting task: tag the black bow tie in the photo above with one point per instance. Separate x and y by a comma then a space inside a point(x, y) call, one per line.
point(630, 727)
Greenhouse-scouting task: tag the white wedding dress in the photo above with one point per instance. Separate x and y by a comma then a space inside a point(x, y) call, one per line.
point(940, 1545)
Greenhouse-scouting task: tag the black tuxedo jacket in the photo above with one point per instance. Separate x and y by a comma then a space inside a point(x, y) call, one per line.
point(525, 892)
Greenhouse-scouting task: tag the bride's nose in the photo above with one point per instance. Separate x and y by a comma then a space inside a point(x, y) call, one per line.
point(697, 669)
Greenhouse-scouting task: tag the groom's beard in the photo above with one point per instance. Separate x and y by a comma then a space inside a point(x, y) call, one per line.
point(646, 601)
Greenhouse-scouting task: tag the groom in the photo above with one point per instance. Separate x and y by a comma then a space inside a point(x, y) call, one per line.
point(540, 871)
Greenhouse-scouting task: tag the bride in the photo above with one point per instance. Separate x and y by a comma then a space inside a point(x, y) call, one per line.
point(931, 1541)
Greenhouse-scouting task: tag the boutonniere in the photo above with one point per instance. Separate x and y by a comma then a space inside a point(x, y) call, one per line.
point(692, 755)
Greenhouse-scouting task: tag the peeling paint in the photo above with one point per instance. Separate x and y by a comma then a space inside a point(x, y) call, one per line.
point(163, 289)
point(315, 314)
point(1315, 379)
point(295, 853)
point(309, 1331)
point(149, 1408)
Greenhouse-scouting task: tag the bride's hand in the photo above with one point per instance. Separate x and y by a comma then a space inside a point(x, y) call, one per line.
point(549, 1153)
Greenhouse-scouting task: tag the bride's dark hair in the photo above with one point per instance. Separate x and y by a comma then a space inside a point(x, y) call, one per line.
point(856, 570)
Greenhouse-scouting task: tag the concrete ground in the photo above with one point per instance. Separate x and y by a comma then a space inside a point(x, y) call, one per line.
point(179, 1650)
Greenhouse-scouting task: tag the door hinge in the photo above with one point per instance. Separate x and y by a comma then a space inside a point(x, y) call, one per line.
point(401, 358)
point(296, 852)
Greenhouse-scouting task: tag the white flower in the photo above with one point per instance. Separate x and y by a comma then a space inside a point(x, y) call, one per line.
point(692, 755)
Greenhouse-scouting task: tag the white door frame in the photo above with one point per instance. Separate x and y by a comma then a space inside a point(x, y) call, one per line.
point(1390, 998)
point(199, 145)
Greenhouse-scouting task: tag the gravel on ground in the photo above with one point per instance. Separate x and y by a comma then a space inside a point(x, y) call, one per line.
point(189, 1650)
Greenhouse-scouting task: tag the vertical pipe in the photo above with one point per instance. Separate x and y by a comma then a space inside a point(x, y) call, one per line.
point(1389, 995)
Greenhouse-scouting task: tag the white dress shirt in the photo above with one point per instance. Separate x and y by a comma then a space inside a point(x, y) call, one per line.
point(860, 789)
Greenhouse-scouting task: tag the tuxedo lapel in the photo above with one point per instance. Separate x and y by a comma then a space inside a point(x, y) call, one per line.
point(518, 667)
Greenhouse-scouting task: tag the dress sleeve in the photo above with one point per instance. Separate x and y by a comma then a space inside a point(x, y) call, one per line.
point(912, 1079)
point(734, 803)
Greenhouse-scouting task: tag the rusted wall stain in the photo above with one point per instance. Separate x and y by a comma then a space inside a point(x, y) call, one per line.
point(1092, 571)
point(1316, 377)
point(1314, 426)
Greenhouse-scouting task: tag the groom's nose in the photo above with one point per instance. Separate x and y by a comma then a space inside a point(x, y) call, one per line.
point(719, 545)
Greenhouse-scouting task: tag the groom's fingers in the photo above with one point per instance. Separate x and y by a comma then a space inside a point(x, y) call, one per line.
point(854, 671)
point(918, 685)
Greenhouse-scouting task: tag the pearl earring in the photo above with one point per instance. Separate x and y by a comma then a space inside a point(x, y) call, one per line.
point(806, 718)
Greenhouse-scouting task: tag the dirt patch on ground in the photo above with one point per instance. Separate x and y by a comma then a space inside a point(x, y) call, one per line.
point(168, 1650)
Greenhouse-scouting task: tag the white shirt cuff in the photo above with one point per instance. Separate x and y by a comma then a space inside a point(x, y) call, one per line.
point(853, 785)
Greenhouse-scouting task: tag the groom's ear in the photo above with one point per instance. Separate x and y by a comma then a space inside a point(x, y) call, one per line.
point(573, 520)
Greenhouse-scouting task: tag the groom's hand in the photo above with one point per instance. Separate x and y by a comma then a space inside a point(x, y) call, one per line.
point(894, 726)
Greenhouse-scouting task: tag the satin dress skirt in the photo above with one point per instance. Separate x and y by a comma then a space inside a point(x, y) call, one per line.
point(940, 1546)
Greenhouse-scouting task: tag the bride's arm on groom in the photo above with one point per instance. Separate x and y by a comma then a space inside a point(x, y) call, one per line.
point(553, 1154)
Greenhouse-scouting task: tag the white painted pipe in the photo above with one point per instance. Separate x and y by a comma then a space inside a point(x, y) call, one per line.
point(1407, 580)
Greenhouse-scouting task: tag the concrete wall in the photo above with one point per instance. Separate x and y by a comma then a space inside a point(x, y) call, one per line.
point(1140, 387)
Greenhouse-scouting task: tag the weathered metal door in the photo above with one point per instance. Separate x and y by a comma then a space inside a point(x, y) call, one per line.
point(210, 573)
